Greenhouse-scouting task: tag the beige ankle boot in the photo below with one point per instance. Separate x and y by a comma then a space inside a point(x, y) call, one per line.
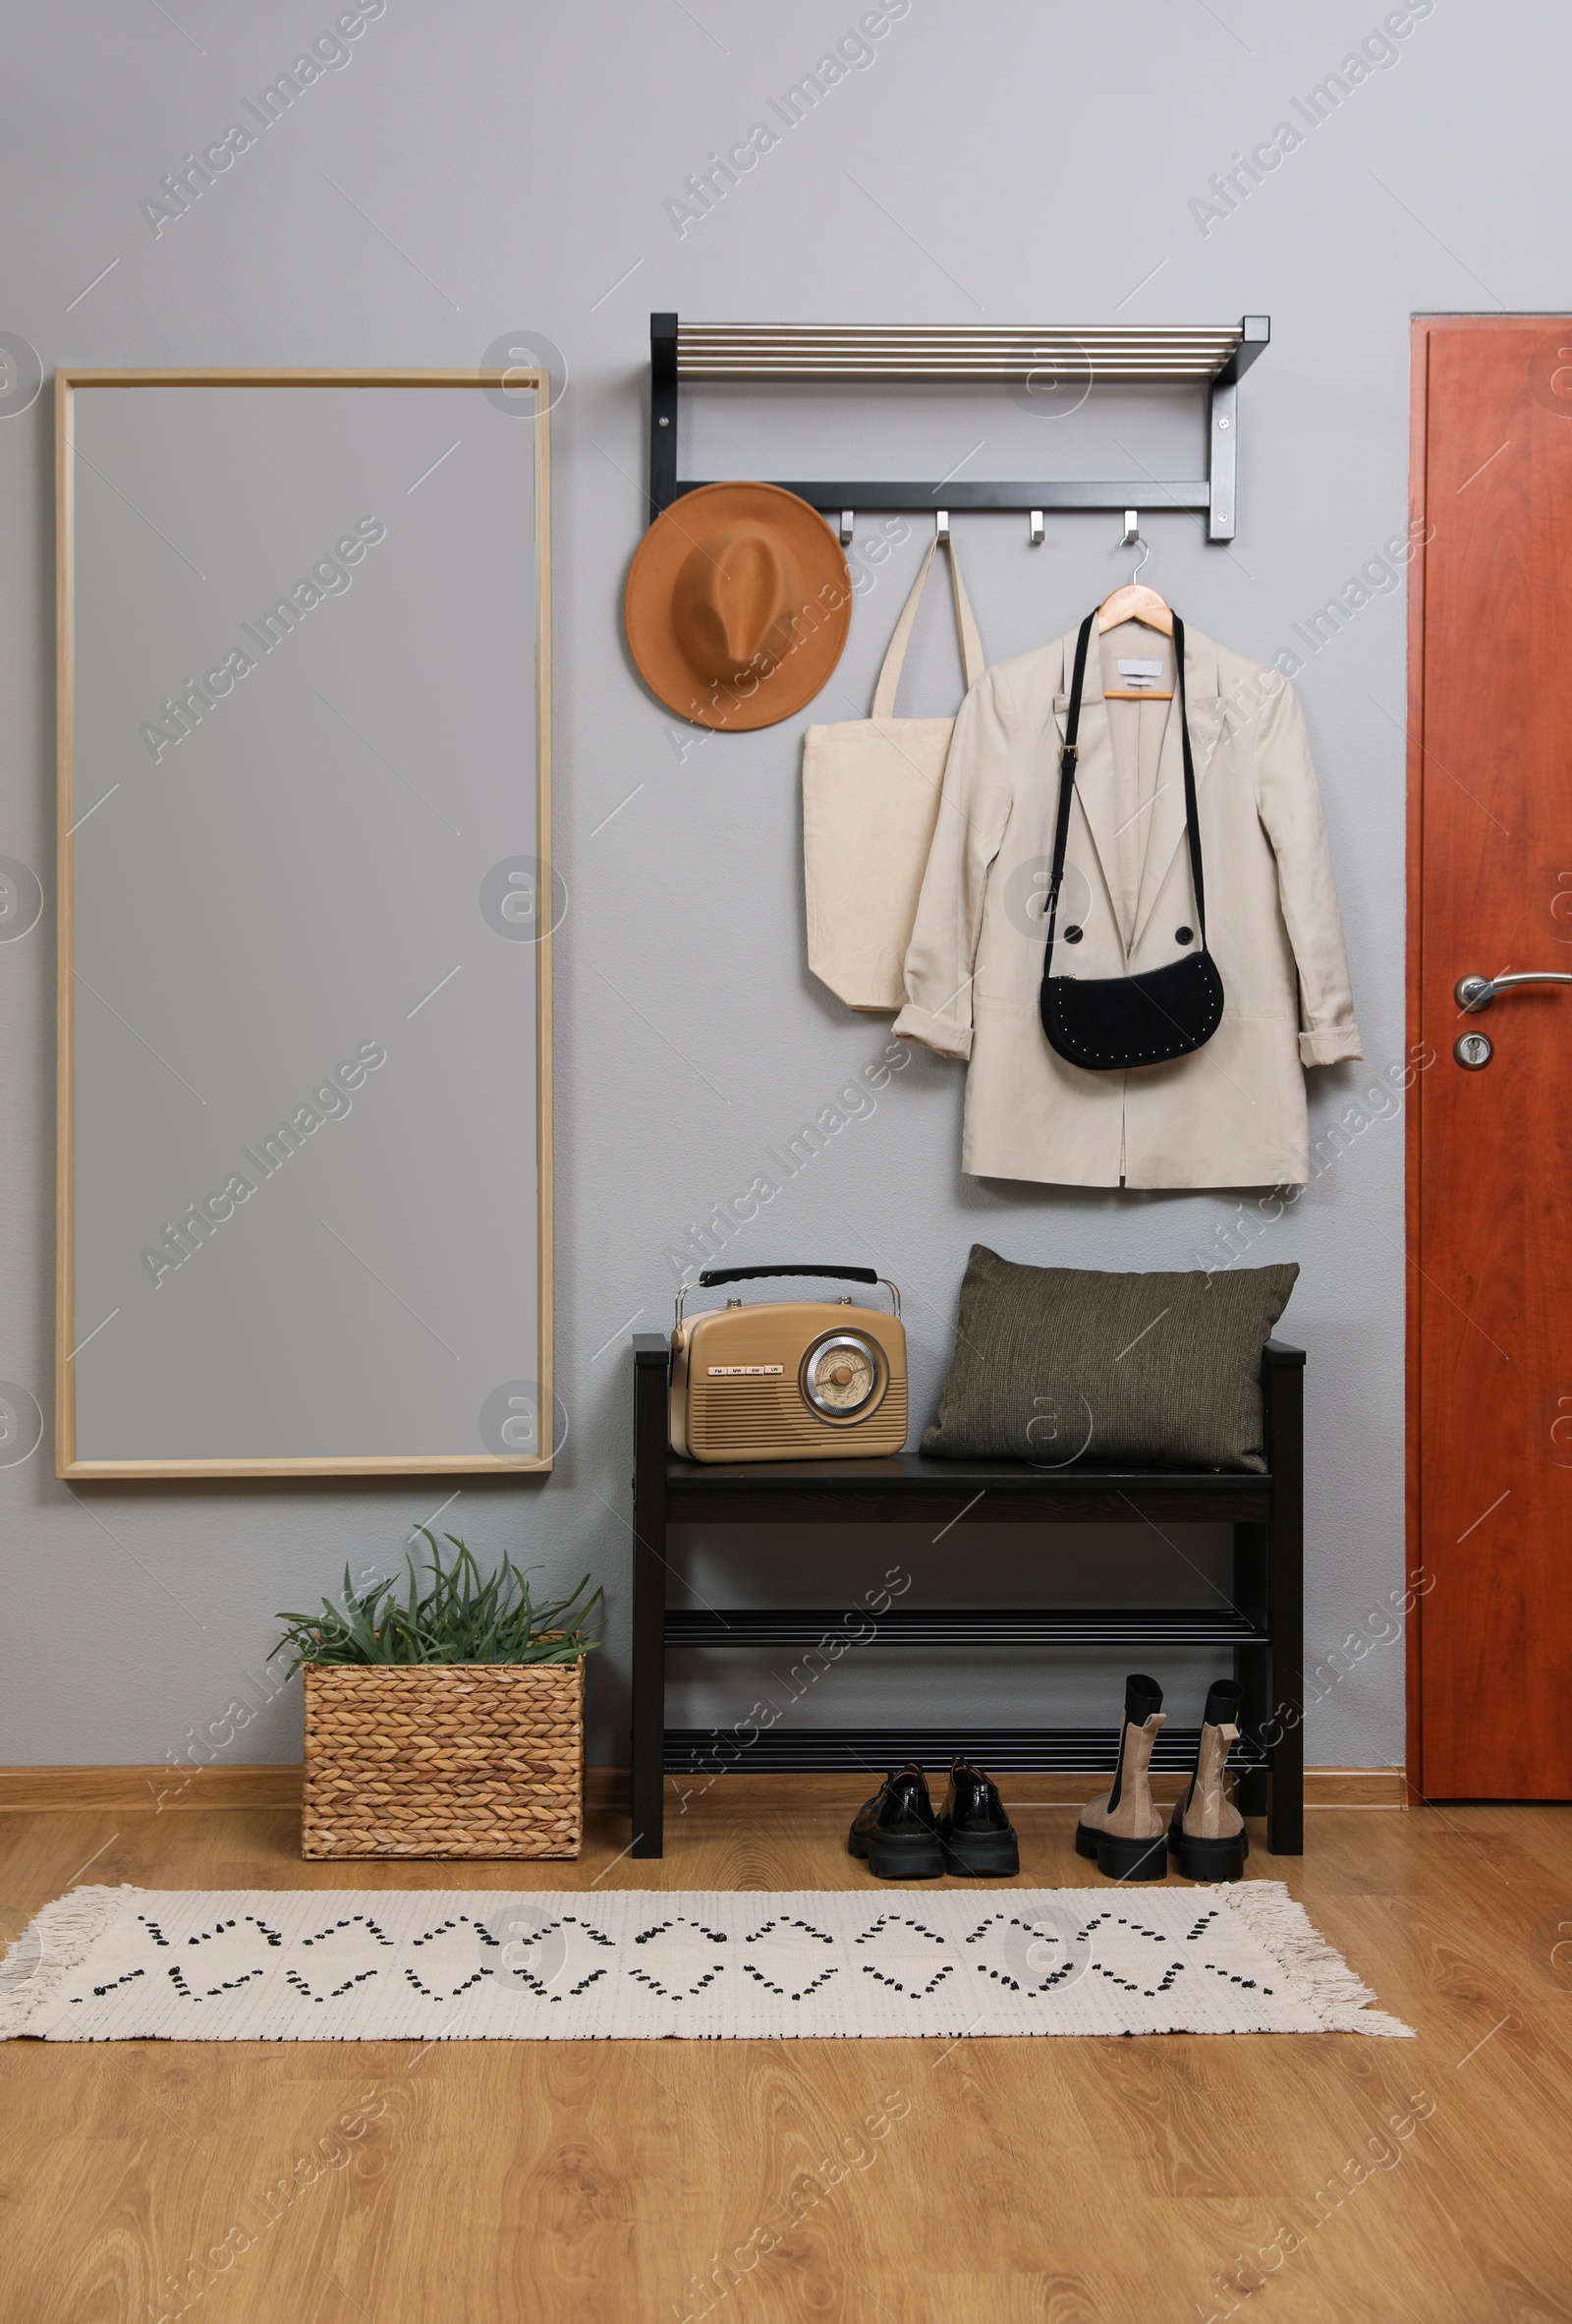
point(1208, 1833)
point(1123, 1829)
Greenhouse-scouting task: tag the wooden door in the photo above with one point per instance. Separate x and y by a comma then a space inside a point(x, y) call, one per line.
point(1491, 1150)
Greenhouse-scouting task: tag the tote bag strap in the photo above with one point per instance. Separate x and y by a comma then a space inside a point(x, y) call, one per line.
point(889, 676)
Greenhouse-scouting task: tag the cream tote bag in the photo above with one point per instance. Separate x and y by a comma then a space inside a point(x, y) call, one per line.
point(870, 799)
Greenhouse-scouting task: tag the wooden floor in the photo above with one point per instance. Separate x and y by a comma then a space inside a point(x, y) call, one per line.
point(1325, 2178)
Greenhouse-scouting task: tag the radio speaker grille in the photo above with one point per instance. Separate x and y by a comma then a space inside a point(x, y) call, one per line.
point(754, 1418)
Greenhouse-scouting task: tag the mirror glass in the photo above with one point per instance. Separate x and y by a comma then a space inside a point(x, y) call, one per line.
point(305, 927)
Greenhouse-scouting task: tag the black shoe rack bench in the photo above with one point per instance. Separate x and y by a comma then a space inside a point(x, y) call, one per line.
point(1262, 1629)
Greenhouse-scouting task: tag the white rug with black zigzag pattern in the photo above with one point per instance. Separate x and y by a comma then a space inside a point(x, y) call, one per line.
point(640, 1964)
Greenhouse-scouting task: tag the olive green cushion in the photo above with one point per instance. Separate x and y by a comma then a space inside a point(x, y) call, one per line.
point(1054, 1364)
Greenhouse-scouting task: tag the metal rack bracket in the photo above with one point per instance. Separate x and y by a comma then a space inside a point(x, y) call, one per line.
point(833, 354)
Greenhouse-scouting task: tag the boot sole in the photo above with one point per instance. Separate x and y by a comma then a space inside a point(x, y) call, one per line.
point(899, 1860)
point(1132, 1859)
point(1086, 1841)
point(1209, 1859)
point(984, 1852)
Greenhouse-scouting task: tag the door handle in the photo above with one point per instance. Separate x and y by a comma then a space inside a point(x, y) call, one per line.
point(1476, 993)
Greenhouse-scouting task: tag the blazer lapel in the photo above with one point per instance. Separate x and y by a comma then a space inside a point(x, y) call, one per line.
point(1093, 771)
point(1165, 830)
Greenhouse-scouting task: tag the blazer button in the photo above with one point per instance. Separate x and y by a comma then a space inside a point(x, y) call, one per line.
point(1072, 936)
point(1183, 936)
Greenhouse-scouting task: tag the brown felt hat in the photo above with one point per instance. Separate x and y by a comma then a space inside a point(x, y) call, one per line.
point(738, 604)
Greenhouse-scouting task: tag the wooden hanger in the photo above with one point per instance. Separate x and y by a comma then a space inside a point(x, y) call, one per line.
point(1134, 600)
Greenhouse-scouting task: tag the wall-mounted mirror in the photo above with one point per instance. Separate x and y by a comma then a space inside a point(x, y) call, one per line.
point(305, 916)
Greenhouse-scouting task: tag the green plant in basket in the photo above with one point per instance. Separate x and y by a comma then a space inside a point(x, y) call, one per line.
point(458, 1617)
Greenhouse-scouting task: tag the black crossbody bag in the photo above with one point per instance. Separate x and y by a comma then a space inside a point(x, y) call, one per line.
point(1109, 1024)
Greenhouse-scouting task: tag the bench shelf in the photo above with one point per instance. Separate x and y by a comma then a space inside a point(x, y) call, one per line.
point(1262, 1629)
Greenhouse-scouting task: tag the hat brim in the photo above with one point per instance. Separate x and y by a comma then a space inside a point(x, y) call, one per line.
point(763, 698)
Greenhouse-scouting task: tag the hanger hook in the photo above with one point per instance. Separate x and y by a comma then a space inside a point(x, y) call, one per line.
point(1131, 538)
point(1146, 551)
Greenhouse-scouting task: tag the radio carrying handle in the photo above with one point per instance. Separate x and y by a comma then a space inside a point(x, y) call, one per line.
point(712, 1276)
point(740, 1274)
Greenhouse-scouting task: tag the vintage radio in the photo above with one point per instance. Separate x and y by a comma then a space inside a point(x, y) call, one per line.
point(790, 1378)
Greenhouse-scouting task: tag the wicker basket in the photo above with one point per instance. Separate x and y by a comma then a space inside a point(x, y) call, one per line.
point(446, 1759)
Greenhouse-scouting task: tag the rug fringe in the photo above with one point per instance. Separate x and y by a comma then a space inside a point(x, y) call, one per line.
point(54, 1943)
point(1341, 1998)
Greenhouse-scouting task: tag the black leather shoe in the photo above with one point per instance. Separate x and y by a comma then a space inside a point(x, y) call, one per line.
point(895, 1830)
point(975, 1832)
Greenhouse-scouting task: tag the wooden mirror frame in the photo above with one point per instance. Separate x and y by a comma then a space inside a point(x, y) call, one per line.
point(67, 1464)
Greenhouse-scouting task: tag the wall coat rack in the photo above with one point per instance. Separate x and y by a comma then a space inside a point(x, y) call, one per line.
point(736, 354)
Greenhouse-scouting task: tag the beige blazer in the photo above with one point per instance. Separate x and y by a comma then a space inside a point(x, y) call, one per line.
point(1233, 1113)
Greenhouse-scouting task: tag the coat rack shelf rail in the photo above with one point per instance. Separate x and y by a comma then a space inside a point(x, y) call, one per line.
point(735, 354)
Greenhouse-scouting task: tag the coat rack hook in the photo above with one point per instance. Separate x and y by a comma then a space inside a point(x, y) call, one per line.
point(847, 514)
point(941, 524)
point(1036, 533)
point(1131, 529)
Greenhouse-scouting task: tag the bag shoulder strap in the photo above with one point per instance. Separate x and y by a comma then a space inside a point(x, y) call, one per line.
point(1068, 754)
point(972, 661)
point(1067, 764)
point(1192, 818)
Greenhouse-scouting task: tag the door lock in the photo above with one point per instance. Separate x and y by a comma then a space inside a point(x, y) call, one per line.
point(1473, 1049)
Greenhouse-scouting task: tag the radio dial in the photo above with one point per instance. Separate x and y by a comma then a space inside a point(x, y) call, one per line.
point(841, 1375)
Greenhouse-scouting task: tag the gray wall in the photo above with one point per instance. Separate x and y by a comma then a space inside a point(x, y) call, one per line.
point(477, 169)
